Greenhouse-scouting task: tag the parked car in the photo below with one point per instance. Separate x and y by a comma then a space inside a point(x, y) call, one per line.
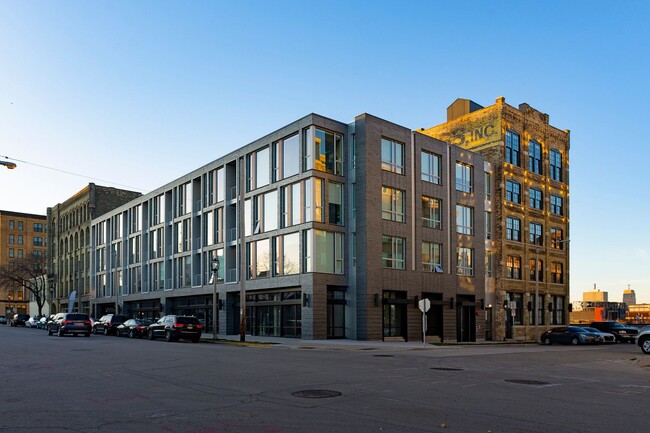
point(19, 319)
point(606, 337)
point(173, 328)
point(42, 322)
point(3, 320)
point(32, 322)
point(134, 328)
point(643, 340)
point(621, 332)
point(52, 319)
point(108, 324)
point(70, 323)
point(569, 335)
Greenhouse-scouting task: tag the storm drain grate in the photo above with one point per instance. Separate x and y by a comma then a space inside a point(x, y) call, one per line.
point(527, 382)
point(446, 369)
point(316, 393)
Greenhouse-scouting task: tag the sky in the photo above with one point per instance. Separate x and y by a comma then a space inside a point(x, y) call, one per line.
point(135, 94)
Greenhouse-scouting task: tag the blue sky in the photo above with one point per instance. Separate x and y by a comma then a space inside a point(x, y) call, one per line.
point(136, 94)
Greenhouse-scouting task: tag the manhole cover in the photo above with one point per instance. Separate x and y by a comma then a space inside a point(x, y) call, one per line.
point(316, 393)
point(384, 356)
point(446, 369)
point(527, 382)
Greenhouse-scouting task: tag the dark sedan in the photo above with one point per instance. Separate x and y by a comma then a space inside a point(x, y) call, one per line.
point(133, 328)
point(569, 335)
point(173, 328)
point(71, 323)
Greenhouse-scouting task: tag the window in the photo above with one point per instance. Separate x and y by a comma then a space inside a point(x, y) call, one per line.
point(287, 254)
point(221, 185)
point(323, 251)
point(536, 198)
point(513, 267)
point(431, 212)
point(556, 205)
point(464, 177)
point(536, 272)
point(534, 157)
point(488, 225)
point(259, 259)
point(535, 236)
point(392, 204)
point(11, 224)
point(557, 235)
point(488, 185)
point(489, 264)
point(183, 236)
point(290, 195)
point(20, 226)
point(464, 220)
point(12, 239)
point(323, 151)
point(518, 300)
point(257, 169)
point(20, 239)
point(134, 250)
point(555, 158)
point(392, 156)
point(393, 252)
point(38, 227)
point(38, 241)
point(430, 167)
point(11, 253)
point(512, 148)
point(286, 158)
point(557, 274)
point(313, 205)
point(335, 203)
point(513, 191)
point(465, 261)
point(513, 229)
point(270, 211)
point(431, 257)
point(21, 253)
point(538, 306)
point(557, 304)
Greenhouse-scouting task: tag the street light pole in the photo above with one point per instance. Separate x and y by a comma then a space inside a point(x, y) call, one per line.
point(215, 273)
point(535, 306)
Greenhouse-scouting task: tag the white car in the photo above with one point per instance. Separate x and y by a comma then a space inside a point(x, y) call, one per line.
point(32, 322)
point(3, 320)
point(643, 340)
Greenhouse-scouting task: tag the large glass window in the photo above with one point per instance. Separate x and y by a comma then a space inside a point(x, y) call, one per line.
point(259, 259)
point(392, 156)
point(535, 235)
point(431, 212)
point(557, 273)
point(513, 229)
point(536, 201)
point(464, 177)
point(287, 254)
point(393, 252)
point(558, 310)
point(465, 261)
point(512, 148)
point(555, 159)
point(513, 267)
point(314, 199)
point(431, 257)
point(291, 156)
point(221, 185)
point(464, 220)
point(534, 157)
point(335, 204)
point(270, 211)
point(556, 205)
point(513, 191)
point(557, 236)
point(184, 199)
point(536, 270)
point(488, 225)
point(323, 151)
point(291, 205)
point(323, 251)
point(392, 204)
point(430, 167)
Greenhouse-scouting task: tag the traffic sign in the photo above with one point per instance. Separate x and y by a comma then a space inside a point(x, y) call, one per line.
point(424, 305)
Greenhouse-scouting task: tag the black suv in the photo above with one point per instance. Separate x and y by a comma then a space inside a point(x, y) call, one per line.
point(176, 327)
point(70, 323)
point(19, 319)
point(621, 332)
point(108, 324)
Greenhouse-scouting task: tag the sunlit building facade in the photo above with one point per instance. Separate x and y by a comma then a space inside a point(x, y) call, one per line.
point(529, 264)
point(329, 229)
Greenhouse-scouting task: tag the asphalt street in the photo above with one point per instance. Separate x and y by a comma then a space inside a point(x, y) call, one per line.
point(110, 384)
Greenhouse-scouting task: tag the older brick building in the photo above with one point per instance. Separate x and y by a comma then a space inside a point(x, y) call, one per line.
point(530, 211)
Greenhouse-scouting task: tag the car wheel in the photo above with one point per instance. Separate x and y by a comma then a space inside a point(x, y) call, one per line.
point(547, 341)
point(575, 341)
point(150, 334)
point(131, 334)
point(645, 346)
point(168, 336)
point(196, 339)
point(49, 332)
point(87, 334)
point(105, 331)
point(95, 331)
point(60, 332)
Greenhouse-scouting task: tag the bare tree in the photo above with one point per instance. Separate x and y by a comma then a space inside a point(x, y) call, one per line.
point(29, 273)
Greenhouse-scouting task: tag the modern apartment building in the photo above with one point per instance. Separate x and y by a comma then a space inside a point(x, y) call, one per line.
point(529, 264)
point(21, 234)
point(68, 258)
point(329, 229)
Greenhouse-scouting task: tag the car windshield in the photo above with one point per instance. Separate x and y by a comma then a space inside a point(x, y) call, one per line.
point(591, 329)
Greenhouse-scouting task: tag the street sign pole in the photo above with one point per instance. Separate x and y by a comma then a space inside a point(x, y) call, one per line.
point(424, 306)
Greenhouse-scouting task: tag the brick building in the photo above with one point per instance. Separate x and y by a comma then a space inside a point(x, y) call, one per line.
point(529, 253)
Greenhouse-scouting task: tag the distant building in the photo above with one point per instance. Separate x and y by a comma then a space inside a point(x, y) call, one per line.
point(639, 313)
point(21, 234)
point(68, 259)
point(594, 296)
point(629, 297)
